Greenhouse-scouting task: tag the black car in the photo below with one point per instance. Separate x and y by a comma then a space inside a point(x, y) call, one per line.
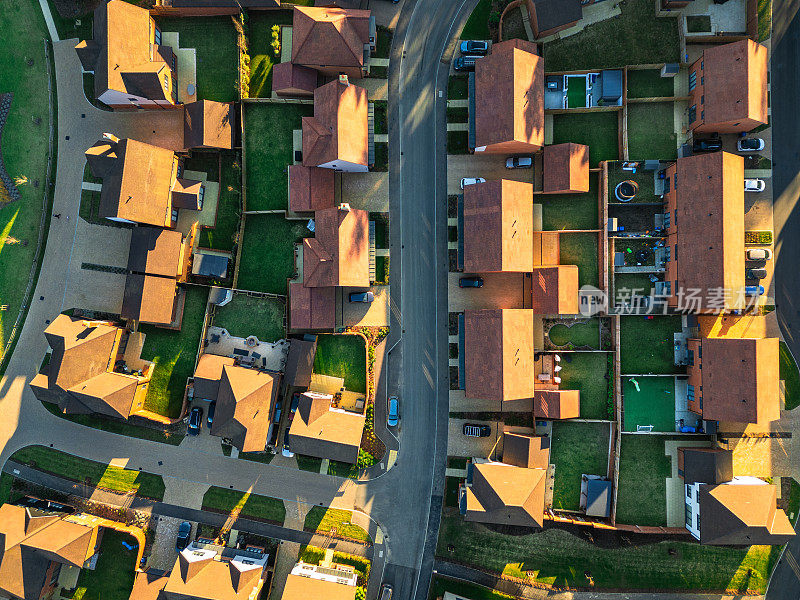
point(211, 410)
point(278, 406)
point(294, 405)
point(184, 532)
point(474, 47)
point(709, 145)
point(473, 430)
point(465, 63)
point(195, 421)
point(468, 282)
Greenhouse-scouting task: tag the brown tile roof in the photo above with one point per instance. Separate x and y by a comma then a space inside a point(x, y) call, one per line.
point(185, 193)
point(498, 354)
point(338, 131)
point(312, 308)
point(208, 124)
point(211, 579)
point(149, 299)
point(546, 248)
point(148, 585)
point(338, 255)
point(740, 514)
point(245, 404)
point(705, 465)
point(310, 188)
point(498, 226)
point(726, 68)
point(556, 404)
point(318, 430)
point(555, 14)
point(208, 374)
point(155, 251)
point(300, 362)
point(527, 451)
point(289, 79)
point(740, 380)
point(329, 37)
point(565, 168)
point(298, 587)
point(509, 97)
point(554, 290)
point(506, 495)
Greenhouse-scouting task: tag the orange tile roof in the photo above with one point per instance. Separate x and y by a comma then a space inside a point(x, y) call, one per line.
point(506, 495)
point(565, 168)
point(338, 255)
point(735, 85)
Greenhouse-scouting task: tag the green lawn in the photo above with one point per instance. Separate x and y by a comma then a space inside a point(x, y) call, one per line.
point(382, 270)
point(571, 211)
point(646, 345)
point(381, 120)
point(451, 490)
point(582, 333)
point(308, 463)
point(644, 179)
point(440, 585)
point(648, 83)
point(457, 88)
point(764, 20)
point(262, 457)
point(651, 131)
point(477, 26)
point(639, 36)
point(587, 371)
point(581, 249)
point(112, 578)
point(321, 519)
point(652, 404)
point(268, 252)
point(598, 130)
point(577, 449)
point(262, 56)
point(24, 150)
point(384, 42)
point(244, 504)
point(174, 353)
point(558, 558)
point(229, 207)
point(88, 471)
point(249, 315)
point(267, 181)
point(628, 284)
point(643, 468)
point(215, 42)
point(312, 555)
point(343, 356)
point(457, 142)
point(791, 377)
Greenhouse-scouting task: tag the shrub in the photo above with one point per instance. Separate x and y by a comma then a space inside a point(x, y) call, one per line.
point(610, 399)
point(361, 593)
point(276, 39)
point(365, 459)
point(757, 237)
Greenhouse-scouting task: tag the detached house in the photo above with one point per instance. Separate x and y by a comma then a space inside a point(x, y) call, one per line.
point(131, 67)
point(508, 100)
point(566, 169)
point(322, 430)
point(728, 88)
point(331, 581)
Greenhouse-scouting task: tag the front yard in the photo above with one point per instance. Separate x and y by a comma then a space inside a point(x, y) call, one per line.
point(577, 449)
point(653, 403)
point(643, 469)
point(570, 211)
point(321, 519)
point(599, 130)
point(647, 344)
point(581, 249)
point(246, 315)
point(112, 578)
point(174, 353)
point(343, 356)
point(589, 373)
point(262, 56)
point(651, 131)
point(268, 152)
point(791, 377)
point(244, 504)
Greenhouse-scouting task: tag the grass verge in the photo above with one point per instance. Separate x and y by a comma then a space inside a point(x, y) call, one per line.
point(790, 376)
point(321, 519)
point(244, 504)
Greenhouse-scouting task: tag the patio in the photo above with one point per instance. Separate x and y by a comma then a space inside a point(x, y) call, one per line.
point(250, 351)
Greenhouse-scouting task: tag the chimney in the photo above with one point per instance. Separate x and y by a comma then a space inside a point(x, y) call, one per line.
point(343, 79)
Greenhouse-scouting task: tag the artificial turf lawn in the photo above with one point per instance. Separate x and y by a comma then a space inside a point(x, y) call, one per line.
point(571, 211)
point(647, 344)
point(268, 152)
point(321, 519)
point(262, 56)
point(229, 207)
point(648, 83)
point(555, 557)
point(174, 353)
point(790, 376)
point(250, 315)
point(343, 356)
point(640, 38)
point(215, 42)
point(576, 92)
point(268, 252)
point(653, 404)
point(244, 504)
point(587, 372)
point(581, 249)
point(94, 473)
point(582, 333)
point(651, 131)
point(576, 449)
point(643, 469)
point(598, 130)
point(24, 150)
point(112, 577)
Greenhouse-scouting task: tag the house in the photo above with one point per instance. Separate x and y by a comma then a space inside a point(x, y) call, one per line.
point(526, 451)
point(555, 403)
point(337, 136)
point(36, 545)
point(95, 367)
point(207, 8)
point(142, 183)
point(330, 581)
point(565, 168)
point(551, 16)
point(208, 124)
point(723, 510)
point(311, 308)
point(333, 41)
point(728, 88)
point(310, 189)
point(208, 374)
point(206, 572)
point(291, 80)
point(508, 100)
point(734, 379)
point(300, 362)
point(704, 222)
point(322, 430)
point(131, 67)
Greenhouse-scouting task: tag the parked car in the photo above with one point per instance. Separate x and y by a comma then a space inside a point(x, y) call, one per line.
point(750, 145)
point(471, 181)
point(294, 405)
point(708, 145)
point(519, 162)
point(286, 451)
point(386, 592)
point(365, 297)
point(212, 408)
point(474, 47)
point(184, 532)
point(465, 63)
point(754, 185)
point(278, 406)
point(757, 273)
point(473, 281)
point(195, 421)
point(392, 411)
point(758, 254)
point(473, 430)
point(754, 290)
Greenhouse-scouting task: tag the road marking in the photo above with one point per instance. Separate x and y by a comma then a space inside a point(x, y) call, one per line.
point(790, 559)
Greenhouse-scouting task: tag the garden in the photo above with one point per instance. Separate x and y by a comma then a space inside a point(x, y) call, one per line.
point(647, 344)
point(112, 577)
point(576, 449)
point(627, 285)
point(244, 504)
point(245, 315)
point(322, 519)
point(571, 211)
point(649, 401)
point(343, 356)
point(592, 375)
point(264, 53)
point(648, 83)
point(651, 131)
point(598, 129)
point(643, 470)
point(645, 180)
point(226, 166)
point(577, 334)
point(581, 249)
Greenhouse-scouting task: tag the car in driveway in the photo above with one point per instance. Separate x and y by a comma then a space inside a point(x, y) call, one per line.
point(278, 407)
point(470, 282)
point(286, 451)
point(212, 408)
point(465, 63)
point(758, 254)
point(474, 47)
point(392, 411)
point(293, 407)
point(750, 144)
point(184, 533)
point(471, 181)
point(364, 297)
point(475, 430)
point(707, 145)
point(754, 185)
point(519, 162)
point(755, 273)
point(195, 421)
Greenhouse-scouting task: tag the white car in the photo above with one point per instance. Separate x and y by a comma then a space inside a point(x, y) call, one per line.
point(758, 254)
point(471, 181)
point(519, 162)
point(750, 145)
point(754, 185)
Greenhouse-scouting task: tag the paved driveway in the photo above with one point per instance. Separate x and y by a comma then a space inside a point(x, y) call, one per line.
point(366, 314)
point(459, 444)
point(500, 290)
point(488, 166)
point(366, 191)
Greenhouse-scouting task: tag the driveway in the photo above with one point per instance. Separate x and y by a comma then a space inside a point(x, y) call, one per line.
point(500, 290)
point(366, 314)
point(488, 166)
point(459, 444)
